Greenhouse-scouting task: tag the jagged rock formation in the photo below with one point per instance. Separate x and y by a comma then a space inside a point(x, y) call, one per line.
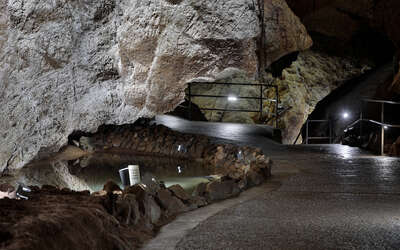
point(308, 80)
point(72, 65)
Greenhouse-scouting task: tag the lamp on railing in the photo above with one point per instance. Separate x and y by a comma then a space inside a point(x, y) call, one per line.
point(232, 98)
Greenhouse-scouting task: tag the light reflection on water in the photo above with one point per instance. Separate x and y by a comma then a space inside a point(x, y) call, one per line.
point(103, 167)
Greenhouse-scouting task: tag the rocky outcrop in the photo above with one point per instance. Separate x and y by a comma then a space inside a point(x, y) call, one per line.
point(284, 33)
point(308, 80)
point(62, 219)
point(55, 218)
point(67, 66)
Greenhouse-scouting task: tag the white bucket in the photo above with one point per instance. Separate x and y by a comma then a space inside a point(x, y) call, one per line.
point(134, 174)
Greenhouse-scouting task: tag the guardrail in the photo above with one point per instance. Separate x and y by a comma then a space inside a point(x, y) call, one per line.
point(381, 123)
point(308, 137)
point(260, 98)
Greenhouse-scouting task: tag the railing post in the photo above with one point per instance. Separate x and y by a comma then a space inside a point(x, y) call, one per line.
point(277, 106)
point(307, 132)
point(261, 102)
point(190, 101)
point(382, 129)
point(361, 121)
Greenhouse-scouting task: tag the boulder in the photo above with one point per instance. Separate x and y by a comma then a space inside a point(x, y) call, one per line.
point(111, 187)
point(200, 189)
point(198, 201)
point(153, 210)
point(127, 209)
point(179, 192)
point(170, 203)
point(5, 187)
point(220, 190)
point(254, 178)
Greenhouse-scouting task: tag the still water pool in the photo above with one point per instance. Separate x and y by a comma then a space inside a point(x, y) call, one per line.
point(103, 167)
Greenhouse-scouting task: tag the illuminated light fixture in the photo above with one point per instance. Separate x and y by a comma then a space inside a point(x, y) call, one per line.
point(179, 148)
point(232, 98)
point(179, 169)
point(345, 115)
point(385, 127)
point(134, 174)
point(240, 155)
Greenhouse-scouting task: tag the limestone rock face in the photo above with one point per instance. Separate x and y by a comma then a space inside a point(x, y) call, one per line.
point(74, 65)
point(308, 80)
point(283, 32)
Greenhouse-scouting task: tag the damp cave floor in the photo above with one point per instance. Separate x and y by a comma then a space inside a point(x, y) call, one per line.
point(320, 197)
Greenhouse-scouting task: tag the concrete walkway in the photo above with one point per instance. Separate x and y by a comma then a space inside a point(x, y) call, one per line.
point(328, 197)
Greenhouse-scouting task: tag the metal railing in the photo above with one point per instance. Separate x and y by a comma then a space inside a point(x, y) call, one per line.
point(260, 98)
point(381, 123)
point(308, 137)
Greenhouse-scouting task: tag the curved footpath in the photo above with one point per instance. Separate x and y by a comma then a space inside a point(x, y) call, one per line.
point(320, 197)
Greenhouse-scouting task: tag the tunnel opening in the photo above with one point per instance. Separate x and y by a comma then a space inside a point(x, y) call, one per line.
point(342, 105)
point(343, 108)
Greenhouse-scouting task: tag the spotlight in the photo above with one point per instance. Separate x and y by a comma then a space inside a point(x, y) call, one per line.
point(385, 127)
point(345, 115)
point(232, 98)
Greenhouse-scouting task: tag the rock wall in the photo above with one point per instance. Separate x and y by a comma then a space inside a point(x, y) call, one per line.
point(308, 80)
point(74, 65)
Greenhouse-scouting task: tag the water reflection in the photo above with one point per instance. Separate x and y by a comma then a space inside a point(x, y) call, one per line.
point(105, 166)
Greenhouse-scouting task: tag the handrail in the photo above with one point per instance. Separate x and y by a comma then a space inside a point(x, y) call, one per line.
point(371, 121)
point(380, 101)
point(319, 137)
point(238, 97)
point(382, 124)
point(279, 114)
point(259, 98)
point(234, 84)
